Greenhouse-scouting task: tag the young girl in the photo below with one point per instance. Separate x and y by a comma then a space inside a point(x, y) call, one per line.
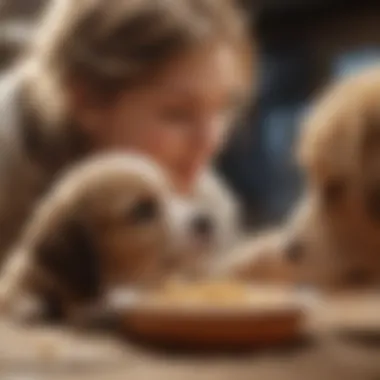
point(166, 77)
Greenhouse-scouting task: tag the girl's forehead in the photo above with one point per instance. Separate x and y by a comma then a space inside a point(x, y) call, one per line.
point(212, 68)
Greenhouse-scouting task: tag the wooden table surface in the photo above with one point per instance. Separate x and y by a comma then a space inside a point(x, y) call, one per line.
point(62, 355)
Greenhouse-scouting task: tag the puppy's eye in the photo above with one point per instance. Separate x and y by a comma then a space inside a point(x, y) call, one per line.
point(144, 211)
point(333, 191)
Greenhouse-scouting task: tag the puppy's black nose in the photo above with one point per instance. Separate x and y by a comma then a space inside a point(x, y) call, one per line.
point(203, 226)
point(294, 251)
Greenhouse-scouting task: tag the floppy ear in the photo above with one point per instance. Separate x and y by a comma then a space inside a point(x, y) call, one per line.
point(70, 256)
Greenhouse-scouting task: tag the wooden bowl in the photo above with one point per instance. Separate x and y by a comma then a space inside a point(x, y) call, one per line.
point(216, 314)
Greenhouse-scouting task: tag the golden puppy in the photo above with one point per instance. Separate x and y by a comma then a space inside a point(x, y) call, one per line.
point(110, 222)
point(332, 239)
point(339, 151)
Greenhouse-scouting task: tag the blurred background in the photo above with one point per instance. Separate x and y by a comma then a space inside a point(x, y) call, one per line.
point(303, 45)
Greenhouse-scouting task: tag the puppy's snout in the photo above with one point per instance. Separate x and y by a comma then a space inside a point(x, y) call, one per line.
point(203, 226)
point(295, 251)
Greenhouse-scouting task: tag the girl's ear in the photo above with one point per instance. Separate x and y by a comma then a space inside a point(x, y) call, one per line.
point(70, 255)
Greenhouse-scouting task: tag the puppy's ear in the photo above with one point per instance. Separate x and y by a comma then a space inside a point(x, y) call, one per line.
point(70, 256)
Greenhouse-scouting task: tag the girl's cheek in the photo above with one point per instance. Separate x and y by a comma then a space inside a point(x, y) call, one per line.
point(171, 145)
point(157, 143)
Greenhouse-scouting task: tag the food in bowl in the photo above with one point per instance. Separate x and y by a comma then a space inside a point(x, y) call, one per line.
point(215, 295)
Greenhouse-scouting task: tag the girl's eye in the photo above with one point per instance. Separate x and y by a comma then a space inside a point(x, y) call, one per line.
point(144, 211)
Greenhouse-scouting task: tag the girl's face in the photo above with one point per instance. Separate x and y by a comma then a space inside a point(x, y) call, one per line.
point(181, 117)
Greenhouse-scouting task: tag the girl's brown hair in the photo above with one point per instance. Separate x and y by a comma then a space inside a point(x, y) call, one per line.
point(108, 45)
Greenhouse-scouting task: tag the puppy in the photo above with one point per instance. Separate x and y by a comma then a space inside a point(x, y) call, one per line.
point(332, 239)
point(339, 151)
point(111, 222)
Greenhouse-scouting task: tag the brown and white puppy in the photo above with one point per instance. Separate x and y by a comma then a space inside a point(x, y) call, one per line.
point(110, 223)
point(332, 239)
